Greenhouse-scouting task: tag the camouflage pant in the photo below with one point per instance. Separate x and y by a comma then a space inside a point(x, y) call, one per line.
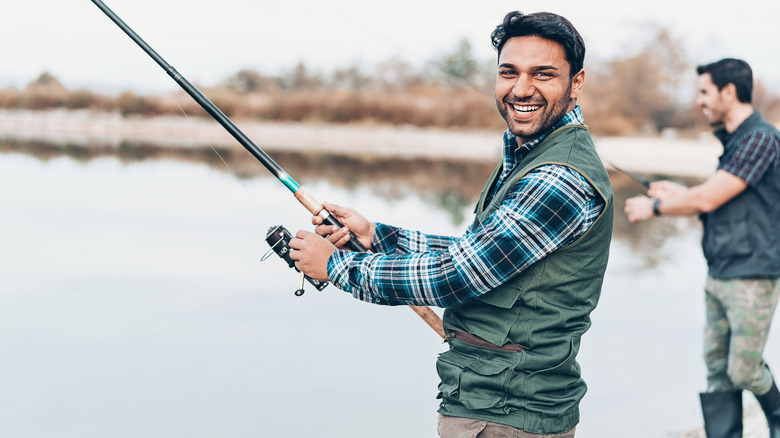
point(739, 314)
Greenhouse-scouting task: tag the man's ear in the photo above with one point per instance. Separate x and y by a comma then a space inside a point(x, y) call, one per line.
point(577, 82)
point(729, 92)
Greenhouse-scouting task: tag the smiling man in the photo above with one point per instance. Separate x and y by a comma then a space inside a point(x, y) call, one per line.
point(519, 285)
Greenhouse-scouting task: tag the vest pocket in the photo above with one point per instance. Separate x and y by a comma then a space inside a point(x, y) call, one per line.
point(504, 296)
point(555, 383)
point(474, 380)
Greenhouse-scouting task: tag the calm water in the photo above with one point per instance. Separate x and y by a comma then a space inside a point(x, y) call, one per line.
point(134, 303)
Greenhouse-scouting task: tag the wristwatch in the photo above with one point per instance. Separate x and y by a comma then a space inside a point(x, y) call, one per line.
point(656, 204)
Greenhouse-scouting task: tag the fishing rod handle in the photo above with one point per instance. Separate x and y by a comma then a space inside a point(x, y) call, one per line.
point(315, 207)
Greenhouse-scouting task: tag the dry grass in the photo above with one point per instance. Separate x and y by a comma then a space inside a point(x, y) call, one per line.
point(608, 111)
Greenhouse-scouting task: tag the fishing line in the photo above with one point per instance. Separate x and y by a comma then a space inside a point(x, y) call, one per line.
point(227, 166)
point(266, 217)
point(278, 245)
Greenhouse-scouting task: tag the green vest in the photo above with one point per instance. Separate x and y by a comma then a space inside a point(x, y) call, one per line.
point(545, 309)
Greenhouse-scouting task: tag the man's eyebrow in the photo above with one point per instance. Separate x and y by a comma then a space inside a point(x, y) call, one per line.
point(535, 68)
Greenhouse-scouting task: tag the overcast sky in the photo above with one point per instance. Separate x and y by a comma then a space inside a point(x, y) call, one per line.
point(206, 41)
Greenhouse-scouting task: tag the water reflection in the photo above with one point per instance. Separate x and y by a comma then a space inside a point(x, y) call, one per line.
point(451, 186)
point(448, 185)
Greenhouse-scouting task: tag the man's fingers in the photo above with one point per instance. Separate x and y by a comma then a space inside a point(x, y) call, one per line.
point(339, 236)
point(326, 230)
point(301, 234)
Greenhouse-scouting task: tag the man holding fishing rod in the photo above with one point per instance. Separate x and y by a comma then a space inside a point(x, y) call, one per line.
point(518, 287)
point(740, 209)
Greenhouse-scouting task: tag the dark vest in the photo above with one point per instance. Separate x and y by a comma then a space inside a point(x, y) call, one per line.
point(545, 309)
point(742, 237)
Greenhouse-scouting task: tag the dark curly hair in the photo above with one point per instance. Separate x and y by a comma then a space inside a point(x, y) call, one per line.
point(544, 25)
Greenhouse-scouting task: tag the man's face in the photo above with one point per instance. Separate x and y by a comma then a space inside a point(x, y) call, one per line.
point(710, 100)
point(533, 89)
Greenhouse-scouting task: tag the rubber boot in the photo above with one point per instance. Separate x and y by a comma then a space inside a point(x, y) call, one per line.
point(722, 414)
point(770, 404)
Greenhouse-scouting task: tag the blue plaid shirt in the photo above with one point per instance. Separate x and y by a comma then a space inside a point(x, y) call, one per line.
point(548, 208)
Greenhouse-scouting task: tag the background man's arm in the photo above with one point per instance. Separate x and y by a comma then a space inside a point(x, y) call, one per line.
point(677, 201)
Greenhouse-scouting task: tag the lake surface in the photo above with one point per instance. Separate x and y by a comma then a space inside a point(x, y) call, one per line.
point(134, 303)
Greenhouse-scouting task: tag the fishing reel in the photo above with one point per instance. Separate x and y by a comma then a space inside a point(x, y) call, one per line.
point(279, 239)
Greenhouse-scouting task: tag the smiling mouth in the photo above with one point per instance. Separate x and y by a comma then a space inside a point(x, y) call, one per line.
point(525, 109)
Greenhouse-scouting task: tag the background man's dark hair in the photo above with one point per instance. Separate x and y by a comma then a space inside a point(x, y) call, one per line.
point(731, 71)
point(544, 25)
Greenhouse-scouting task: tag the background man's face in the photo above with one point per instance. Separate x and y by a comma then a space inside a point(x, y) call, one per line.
point(710, 100)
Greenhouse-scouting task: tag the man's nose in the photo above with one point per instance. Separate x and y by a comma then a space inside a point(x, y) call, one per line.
point(523, 87)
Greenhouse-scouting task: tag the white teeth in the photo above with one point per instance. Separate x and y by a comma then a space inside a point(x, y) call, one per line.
point(525, 108)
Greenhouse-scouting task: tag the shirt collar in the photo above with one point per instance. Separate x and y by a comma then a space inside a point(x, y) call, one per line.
point(514, 153)
point(724, 136)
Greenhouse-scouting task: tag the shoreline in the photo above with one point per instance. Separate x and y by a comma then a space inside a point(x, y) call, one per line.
point(666, 155)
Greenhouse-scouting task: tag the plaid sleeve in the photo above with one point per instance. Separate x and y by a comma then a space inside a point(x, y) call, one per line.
point(547, 209)
point(393, 240)
point(756, 155)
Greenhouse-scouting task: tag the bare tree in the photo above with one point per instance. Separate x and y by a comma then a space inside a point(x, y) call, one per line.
point(641, 92)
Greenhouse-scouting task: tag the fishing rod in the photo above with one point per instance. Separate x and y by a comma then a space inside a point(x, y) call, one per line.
point(640, 179)
point(301, 194)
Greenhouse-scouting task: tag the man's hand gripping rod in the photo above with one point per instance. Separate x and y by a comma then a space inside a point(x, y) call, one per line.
point(315, 207)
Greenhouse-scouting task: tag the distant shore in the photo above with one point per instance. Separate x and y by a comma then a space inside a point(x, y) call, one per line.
point(664, 155)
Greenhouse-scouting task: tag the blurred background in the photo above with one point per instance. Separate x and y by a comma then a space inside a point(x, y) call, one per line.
point(133, 298)
point(348, 61)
